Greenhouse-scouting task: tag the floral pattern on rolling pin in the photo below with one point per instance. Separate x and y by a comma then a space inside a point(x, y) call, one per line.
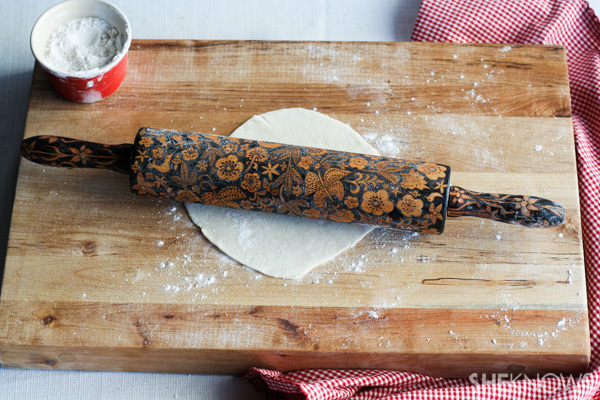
point(523, 210)
point(291, 180)
point(67, 152)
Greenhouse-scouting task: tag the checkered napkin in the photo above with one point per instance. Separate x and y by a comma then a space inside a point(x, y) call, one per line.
point(570, 23)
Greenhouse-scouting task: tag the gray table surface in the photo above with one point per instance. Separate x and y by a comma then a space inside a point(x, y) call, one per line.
point(357, 20)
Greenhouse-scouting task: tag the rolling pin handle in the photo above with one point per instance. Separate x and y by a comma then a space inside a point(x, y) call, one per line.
point(65, 152)
point(522, 210)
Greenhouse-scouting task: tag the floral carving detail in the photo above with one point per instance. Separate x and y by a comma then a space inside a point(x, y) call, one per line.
point(229, 168)
point(527, 205)
point(351, 202)
point(435, 213)
point(146, 141)
point(251, 182)
point(414, 180)
point(358, 162)
point(270, 170)
point(226, 197)
point(158, 152)
point(410, 207)
point(305, 162)
point(230, 147)
point(190, 154)
point(202, 166)
point(142, 186)
point(432, 171)
point(80, 154)
point(258, 154)
point(376, 203)
point(325, 187)
point(315, 151)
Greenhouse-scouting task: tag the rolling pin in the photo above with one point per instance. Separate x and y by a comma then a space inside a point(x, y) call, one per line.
point(292, 180)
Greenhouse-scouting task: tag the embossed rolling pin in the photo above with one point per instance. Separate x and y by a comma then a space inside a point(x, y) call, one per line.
point(292, 180)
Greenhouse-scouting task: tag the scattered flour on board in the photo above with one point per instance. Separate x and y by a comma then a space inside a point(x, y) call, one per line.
point(194, 269)
point(502, 319)
point(316, 70)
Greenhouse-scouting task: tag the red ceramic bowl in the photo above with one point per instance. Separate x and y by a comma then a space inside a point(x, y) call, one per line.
point(85, 86)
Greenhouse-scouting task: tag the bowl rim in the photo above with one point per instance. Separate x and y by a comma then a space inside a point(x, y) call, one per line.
point(88, 73)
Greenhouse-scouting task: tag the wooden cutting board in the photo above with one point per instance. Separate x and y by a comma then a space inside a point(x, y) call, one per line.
point(97, 278)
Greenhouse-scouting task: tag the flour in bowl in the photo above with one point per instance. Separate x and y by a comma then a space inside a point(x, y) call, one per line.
point(83, 44)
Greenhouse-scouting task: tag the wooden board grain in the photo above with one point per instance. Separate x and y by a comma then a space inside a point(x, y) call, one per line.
point(97, 278)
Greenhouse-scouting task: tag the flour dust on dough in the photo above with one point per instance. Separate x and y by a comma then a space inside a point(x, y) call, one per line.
point(278, 245)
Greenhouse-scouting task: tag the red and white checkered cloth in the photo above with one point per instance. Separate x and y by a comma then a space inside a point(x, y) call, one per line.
point(567, 22)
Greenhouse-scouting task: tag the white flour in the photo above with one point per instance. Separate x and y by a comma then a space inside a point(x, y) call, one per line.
point(83, 44)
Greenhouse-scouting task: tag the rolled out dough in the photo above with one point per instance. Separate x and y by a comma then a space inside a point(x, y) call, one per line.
point(278, 245)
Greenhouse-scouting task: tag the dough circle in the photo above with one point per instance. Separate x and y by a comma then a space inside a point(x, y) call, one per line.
point(278, 245)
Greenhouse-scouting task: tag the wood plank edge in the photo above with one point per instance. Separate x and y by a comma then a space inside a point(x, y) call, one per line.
point(239, 361)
